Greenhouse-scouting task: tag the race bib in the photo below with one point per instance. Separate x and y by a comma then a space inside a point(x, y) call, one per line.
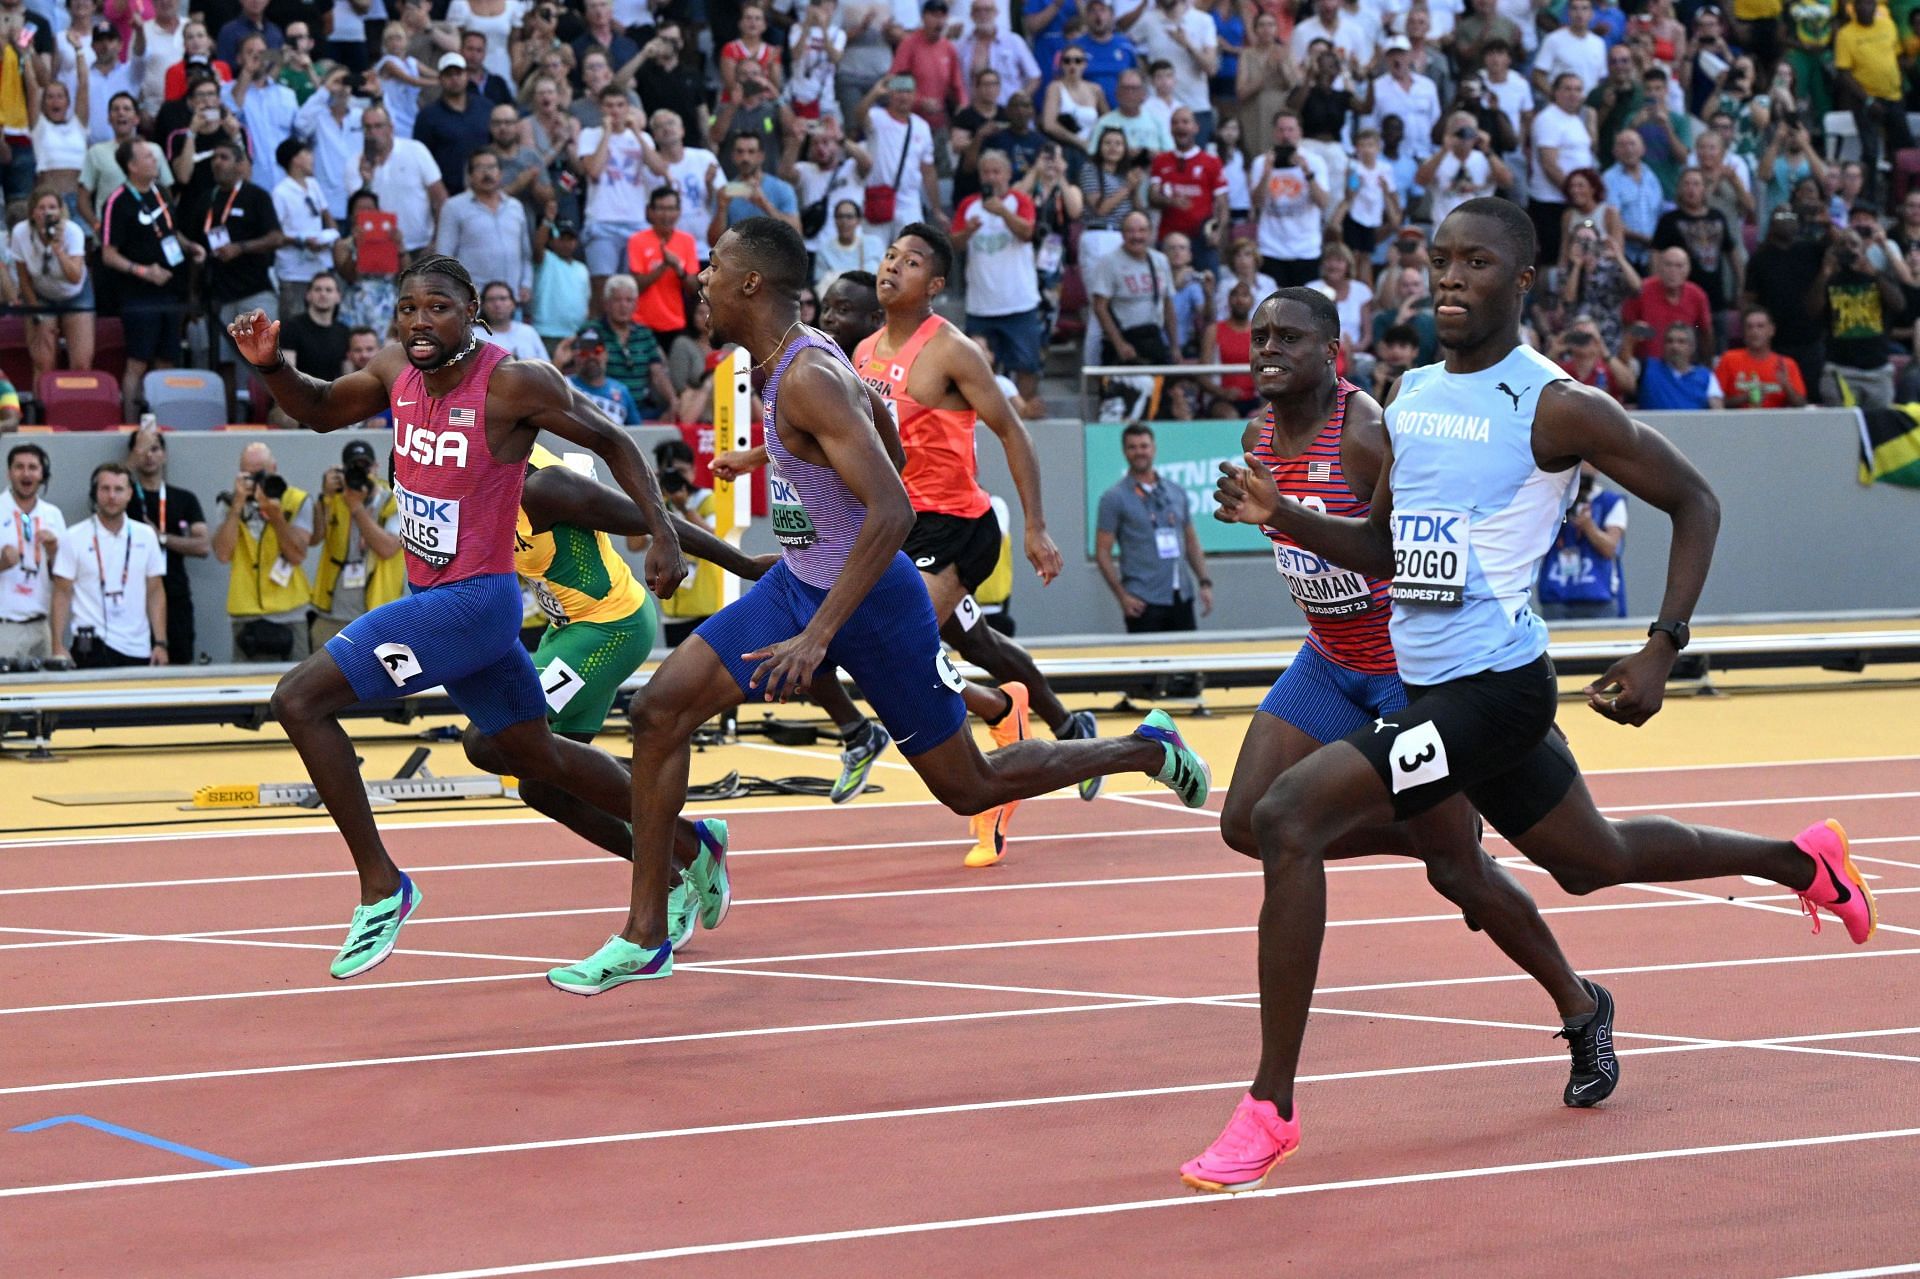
point(281, 573)
point(949, 675)
point(792, 527)
point(1419, 757)
point(429, 526)
point(1319, 588)
point(967, 612)
point(560, 683)
point(1167, 542)
point(353, 576)
point(1430, 551)
point(550, 605)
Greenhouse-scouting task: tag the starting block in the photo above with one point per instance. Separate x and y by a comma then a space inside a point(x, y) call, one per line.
point(414, 783)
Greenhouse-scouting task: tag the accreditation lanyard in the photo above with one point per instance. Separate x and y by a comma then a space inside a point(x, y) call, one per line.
point(159, 519)
point(112, 598)
point(21, 537)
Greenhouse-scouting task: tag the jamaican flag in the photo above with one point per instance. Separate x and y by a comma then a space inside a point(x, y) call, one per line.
point(1890, 445)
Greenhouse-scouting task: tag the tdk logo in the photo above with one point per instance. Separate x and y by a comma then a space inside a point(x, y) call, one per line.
point(430, 448)
point(437, 509)
point(1425, 528)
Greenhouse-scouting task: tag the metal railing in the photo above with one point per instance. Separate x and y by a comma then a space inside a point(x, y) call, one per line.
point(1091, 373)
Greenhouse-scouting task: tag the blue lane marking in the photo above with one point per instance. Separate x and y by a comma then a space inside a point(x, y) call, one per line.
point(144, 1138)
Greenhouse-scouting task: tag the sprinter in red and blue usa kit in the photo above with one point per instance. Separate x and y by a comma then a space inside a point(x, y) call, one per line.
point(464, 420)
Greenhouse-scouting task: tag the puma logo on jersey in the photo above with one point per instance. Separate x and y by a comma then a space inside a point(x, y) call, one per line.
point(430, 448)
point(1511, 394)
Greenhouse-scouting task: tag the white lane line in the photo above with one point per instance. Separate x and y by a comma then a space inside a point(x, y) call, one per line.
point(808, 1121)
point(1907, 1268)
point(1183, 1201)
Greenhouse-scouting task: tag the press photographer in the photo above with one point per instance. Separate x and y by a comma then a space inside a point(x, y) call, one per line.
point(267, 589)
point(357, 523)
point(109, 582)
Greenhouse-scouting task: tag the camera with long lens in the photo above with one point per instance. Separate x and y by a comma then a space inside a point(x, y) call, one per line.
point(357, 475)
point(268, 485)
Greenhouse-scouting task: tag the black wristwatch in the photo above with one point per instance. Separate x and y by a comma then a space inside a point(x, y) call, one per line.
point(1679, 632)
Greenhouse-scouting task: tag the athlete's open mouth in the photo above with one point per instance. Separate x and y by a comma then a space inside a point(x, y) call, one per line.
point(1270, 370)
point(422, 347)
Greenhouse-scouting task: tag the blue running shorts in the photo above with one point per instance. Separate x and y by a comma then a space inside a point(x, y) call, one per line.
point(1326, 701)
point(890, 646)
point(463, 636)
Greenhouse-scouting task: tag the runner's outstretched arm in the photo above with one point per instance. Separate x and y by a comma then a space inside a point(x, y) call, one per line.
point(975, 380)
point(561, 495)
point(316, 405)
point(1247, 495)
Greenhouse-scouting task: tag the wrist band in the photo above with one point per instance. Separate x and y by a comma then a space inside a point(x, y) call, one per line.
point(280, 362)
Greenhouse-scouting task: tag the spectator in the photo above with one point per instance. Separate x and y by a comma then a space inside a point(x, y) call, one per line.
point(1581, 575)
point(1290, 194)
point(1480, 26)
point(1405, 300)
point(237, 226)
point(1352, 299)
point(1779, 277)
point(1850, 192)
point(1132, 293)
point(1347, 32)
point(252, 20)
point(691, 362)
point(849, 246)
point(1709, 242)
point(633, 353)
point(267, 109)
point(1142, 130)
point(1174, 32)
point(902, 186)
point(1071, 110)
point(1598, 280)
point(457, 123)
point(1906, 232)
point(1192, 295)
point(1572, 50)
point(694, 173)
point(190, 148)
point(1243, 267)
point(296, 61)
point(406, 178)
point(665, 265)
point(486, 230)
point(264, 549)
point(1006, 53)
point(1669, 298)
point(1858, 304)
point(1561, 144)
point(1585, 352)
point(751, 51)
point(1633, 192)
point(147, 256)
point(495, 90)
point(118, 618)
point(1464, 168)
point(30, 533)
point(1617, 98)
point(1003, 289)
point(932, 62)
point(1667, 133)
point(179, 525)
point(1110, 53)
point(362, 345)
point(314, 339)
point(100, 173)
point(613, 157)
point(814, 48)
point(347, 34)
point(401, 79)
point(1509, 94)
point(159, 45)
point(1789, 159)
point(753, 192)
point(1021, 142)
point(368, 259)
point(1370, 208)
point(356, 524)
point(1405, 92)
point(1755, 376)
point(1394, 353)
point(9, 407)
point(1325, 103)
point(497, 300)
point(973, 129)
point(1674, 381)
point(339, 127)
point(1162, 567)
point(590, 376)
point(560, 282)
point(106, 76)
point(1112, 185)
point(1190, 186)
point(49, 249)
point(1266, 74)
point(306, 224)
point(1230, 341)
point(1866, 63)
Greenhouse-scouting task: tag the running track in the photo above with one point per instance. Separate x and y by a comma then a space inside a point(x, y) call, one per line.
point(885, 1064)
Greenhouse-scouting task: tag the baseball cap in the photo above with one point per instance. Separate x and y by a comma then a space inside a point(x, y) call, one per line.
point(565, 226)
point(1397, 44)
point(357, 451)
point(452, 62)
point(934, 6)
point(589, 336)
point(105, 31)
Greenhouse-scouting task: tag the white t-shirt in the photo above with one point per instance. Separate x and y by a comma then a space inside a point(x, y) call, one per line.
point(26, 589)
point(43, 264)
point(1514, 97)
point(840, 182)
point(1289, 221)
point(814, 50)
point(1001, 275)
point(497, 29)
point(299, 208)
point(109, 572)
point(1151, 36)
point(59, 146)
point(1566, 133)
point(1263, 284)
point(619, 193)
point(1369, 207)
point(350, 24)
point(1358, 295)
point(1351, 37)
point(401, 182)
point(1136, 290)
point(885, 138)
point(833, 257)
point(1456, 181)
point(164, 50)
point(1417, 105)
point(519, 341)
point(689, 177)
point(1585, 56)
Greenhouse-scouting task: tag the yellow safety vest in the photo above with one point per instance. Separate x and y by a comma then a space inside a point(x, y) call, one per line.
point(251, 588)
point(386, 578)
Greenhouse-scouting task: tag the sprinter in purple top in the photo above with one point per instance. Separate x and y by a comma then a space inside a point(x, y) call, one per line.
point(842, 593)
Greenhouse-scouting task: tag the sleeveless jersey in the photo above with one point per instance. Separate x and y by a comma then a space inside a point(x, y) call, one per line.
point(457, 503)
point(815, 516)
point(575, 573)
point(1472, 516)
point(940, 474)
point(1347, 612)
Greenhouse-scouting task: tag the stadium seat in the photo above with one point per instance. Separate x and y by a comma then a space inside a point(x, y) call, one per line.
point(1072, 322)
point(78, 400)
point(186, 399)
point(15, 363)
point(1843, 136)
point(110, 346)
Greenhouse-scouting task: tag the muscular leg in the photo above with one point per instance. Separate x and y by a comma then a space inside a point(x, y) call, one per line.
point(1457, 867)
point(1006, 661)
point(1585, 852)
point(969, 782)
point(307, 703)
point(690, 688)
point(830, 695)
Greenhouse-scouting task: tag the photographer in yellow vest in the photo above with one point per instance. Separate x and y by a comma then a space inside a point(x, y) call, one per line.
point(357, 523)
point(267, 588)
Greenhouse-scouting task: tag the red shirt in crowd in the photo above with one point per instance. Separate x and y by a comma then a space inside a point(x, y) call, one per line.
point(1194, 178)
point(935, 68)
point(663, 307)
point(1750, 383)
point(1653, 308)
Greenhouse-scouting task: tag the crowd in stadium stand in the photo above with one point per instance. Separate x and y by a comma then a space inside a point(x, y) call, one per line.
point(1721, 198)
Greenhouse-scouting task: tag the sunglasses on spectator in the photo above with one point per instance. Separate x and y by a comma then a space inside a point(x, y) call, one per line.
point(1073, 62)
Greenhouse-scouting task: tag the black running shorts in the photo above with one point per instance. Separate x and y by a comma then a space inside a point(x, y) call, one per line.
point(1489, 736)
point(972, 546)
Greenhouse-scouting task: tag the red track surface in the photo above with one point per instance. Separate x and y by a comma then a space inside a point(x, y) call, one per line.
point(1102, 978)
